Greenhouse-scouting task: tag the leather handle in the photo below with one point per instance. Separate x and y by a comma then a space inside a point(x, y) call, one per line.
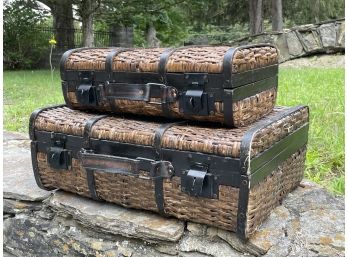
point(141, 92)
point(124, 165)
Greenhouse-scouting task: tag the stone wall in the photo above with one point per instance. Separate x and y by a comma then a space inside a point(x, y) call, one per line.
point(310, 222)
point(327, 37)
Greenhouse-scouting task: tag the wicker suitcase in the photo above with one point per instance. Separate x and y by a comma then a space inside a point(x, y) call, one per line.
point(228, 178)
point(234, 86)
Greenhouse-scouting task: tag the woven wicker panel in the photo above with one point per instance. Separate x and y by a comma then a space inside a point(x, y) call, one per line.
point(138, 60)
point(214, 140)
point(245, 111)
point(126, 190)
point(220, 212)
point(195, 59)
point(88, 59)
point(73, 180)
point(139, 193)
point(265, 196)
point(210, 59)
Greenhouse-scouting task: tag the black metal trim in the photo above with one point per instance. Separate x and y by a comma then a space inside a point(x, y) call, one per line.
point(228, 107)
point(34, 115)
point(245, 165)
point(254, 88)
point(33, 148)
point(262, 165)
point(88, 129)
point(249, 135)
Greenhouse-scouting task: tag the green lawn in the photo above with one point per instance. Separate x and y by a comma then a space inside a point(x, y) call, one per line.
point(321, 89)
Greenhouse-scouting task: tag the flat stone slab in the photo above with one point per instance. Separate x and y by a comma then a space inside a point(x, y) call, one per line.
point(19, 182)
point(114, 219)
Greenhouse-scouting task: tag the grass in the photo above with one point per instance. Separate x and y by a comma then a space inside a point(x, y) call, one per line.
point(321, 89)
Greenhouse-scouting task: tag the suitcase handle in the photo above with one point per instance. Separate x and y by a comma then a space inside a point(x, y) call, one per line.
point(124, 165)
point(141, 92)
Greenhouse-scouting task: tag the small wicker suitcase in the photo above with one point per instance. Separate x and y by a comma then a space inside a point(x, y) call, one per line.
point(228, 178)
point(233, 86)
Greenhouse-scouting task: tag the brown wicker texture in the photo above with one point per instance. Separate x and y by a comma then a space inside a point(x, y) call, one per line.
point(245, 111)
point(213, 140)
point(210, 59)
point(195, 59)
point(138, 192)
point(138, 60)
point(186, 59)
point(88, 59)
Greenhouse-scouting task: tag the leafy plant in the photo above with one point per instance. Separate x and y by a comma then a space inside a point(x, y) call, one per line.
point(24, 42)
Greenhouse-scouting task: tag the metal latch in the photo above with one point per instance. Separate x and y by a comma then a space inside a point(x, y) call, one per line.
point(86, 92)
point(57, 156)
point(198, 182)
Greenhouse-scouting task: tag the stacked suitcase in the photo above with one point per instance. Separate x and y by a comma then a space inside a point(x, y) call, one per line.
point(190, 132)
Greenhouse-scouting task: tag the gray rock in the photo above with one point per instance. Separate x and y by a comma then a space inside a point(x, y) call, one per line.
point(114, 219)
point(310, 40)
point(280, 41)
point(17, 170)
point(340, 29)
point(216, 248)
point(294, 45)
point(327, 34)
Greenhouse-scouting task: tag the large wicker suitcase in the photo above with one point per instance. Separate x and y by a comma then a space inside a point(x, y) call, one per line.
point(229, 178)
point(234, 86)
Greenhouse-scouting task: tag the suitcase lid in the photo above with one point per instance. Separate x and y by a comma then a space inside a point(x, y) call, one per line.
point(188, 59)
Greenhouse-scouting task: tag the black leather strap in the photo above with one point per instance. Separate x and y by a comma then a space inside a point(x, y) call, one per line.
point(88, 128)
point(159, 134)
point(91, 184)
point(110, 58)
point(162, 72)
point(159, 180)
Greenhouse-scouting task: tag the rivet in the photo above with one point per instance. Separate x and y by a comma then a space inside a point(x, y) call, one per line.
point(215, 195)
point(189, 156)
point(215, 178)
point(211, 112)
point(244, 182)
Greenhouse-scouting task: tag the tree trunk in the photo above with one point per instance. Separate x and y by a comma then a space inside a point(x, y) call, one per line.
point(63, 22)
point(255, 17)
point(87, 31)
point(151, 39)
point(277, 15)
point(87, 10)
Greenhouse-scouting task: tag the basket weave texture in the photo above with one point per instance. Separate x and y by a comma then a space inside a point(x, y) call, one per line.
point(187, 59)
point(245, 111)
point(138, 192)
point(212, 140)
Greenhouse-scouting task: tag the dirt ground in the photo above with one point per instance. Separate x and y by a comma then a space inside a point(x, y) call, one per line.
point(317, 61)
